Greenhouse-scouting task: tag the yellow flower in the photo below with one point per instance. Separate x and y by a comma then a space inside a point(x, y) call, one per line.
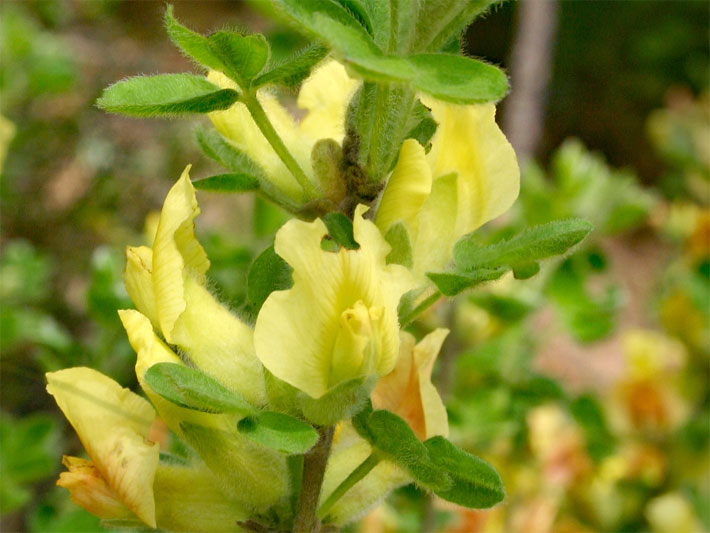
point(324, 96)
point(112, 424)
point(470, 176)
point(339, 320)
point(168, 285)
point(408, 390)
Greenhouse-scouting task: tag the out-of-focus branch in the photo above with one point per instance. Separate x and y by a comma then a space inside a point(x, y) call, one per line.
point(530, 72)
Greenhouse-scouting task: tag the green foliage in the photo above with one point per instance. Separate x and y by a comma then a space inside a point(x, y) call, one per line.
point(475, 483)
point(340, 230)
point(232, 182)
point(243, 56)
point(293, 69)
point(56, 513)
point(476, 263)
point(165, 94)
point(28, 452)
point(268, 273)
point(218, 149)
point(394, 440)
point(192, 44)
point(190, 388)
point(281, 432)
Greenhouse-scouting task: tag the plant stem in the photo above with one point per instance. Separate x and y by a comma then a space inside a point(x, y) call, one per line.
point(348, 483)
point(265, 126)
point(314, 462)
point(426, 304)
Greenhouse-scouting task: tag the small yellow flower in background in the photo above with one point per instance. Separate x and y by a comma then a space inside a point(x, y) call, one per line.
point(408, 390)
point(113, 425)
point(470, 176)
point(339, 320)
point(672, 513)
point(324, 96)
point(168, 285)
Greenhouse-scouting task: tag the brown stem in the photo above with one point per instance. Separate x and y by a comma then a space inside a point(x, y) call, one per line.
point(314, 462)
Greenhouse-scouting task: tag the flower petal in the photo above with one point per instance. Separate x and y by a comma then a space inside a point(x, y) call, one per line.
point(326, 95)
point(138, 278)
point(407, 189)
point(112, 424)
point(298, 347)
point(469, 142)
point(436, 420)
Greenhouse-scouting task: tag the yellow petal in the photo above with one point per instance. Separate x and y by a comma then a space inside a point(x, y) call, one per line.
point(391, 389)
point(219, 344)
point(437, 223)
point(88, 489)
point(325, 95)
point(138, 278)
point(112, 424)
point(238, 127)
point(469, 142)
point(435, 418)
point(298, 346)
point(215, 340)
point(188, 499)
point(407, 189)
point(176, 253)
point(151, 350)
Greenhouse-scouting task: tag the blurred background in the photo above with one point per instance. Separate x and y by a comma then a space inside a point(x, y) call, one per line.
point(586, 386)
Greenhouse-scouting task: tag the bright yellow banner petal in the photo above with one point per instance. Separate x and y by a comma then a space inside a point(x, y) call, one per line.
point(469, 142)
point(112, 423)
point(138, 278)
point(407, 189)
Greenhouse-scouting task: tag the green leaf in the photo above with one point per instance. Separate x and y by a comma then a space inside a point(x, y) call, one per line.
point(192, 44)
point(339, 403)
point(165, 94)
point(217, 148)
point(392, 438)
point(190, 388)
point(268, 273)
point(422, 125)
point(340, 229)
point(476, 484)
point(442, 21)
point(293, 69)
point(458, 79)
point(233, 182)
point(526, 270)
point(305, 11)
point(373, 15)
point(243, 56)
point(398, 238)
point(280, 432)
point(533, 244)
point(452, 283)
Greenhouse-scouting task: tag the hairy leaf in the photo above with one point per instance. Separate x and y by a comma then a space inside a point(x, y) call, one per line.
point(476, 484)
point(268, 273)
point(165, 94)
point(294, 69)
point(191, 43)
point(340, 229)
point(280, 432)
point(190, 388)
point(234, 182)
point(243, 56)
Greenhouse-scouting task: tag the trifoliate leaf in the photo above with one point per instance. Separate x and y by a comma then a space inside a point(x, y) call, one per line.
point(280, 432)
point(475, 483)
point(234, 182)
point(165, 94)
point(190, 388)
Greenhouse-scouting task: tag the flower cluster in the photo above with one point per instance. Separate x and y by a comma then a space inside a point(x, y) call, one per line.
point(332, 339)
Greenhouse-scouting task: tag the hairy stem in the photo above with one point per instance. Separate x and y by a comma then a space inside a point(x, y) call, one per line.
point(265, 126)
point(426, 304)
point(356, 475)
point(314, 463)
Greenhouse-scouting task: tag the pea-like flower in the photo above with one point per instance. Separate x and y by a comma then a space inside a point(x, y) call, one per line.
point(339, 320)
point(469, 176)
point(324, 97)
